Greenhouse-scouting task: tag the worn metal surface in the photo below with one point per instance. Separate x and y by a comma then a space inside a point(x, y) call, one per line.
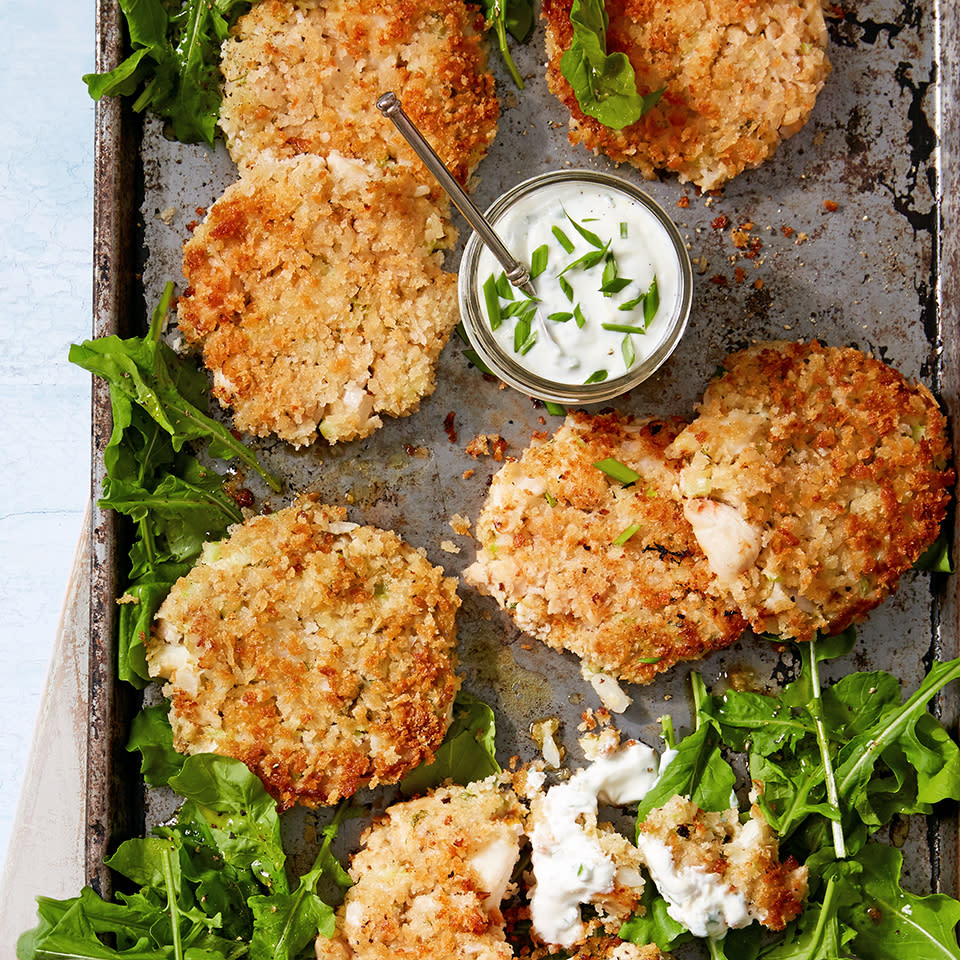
point(881, 271)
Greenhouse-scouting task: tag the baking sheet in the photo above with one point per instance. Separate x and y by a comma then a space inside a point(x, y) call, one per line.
point(880, 272)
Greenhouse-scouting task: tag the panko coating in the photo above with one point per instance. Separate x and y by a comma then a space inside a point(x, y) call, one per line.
point(738, 77)
point(687, 850)
point(814, 477)
point(547, 551)
point(430, 877)
point(304, 77)
point(317, 295)
point(318, 652)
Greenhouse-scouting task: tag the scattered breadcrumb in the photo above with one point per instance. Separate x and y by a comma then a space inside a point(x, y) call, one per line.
point(460, 524)
point(448, 546)
point(487, 445)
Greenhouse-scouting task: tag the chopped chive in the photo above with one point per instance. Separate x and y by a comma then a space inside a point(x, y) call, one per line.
point(504, 287)
point(615, 285)
point(561, 316)
point(461, 332)
point(626, 348)
point(609, 271)
point(598, 376)
point(563, 239)
point(527, 344)
point(623, 230)
point(617, 470)
point(492, 301)
point(554, 409)
point(580, 318)
point(587, 235)
point(521, 333)
point(591, 219)
point(652, 303)
point(630, 304)
point(587, 261)
point(538, 260)
point(623, 328)
point(474, 358)
point(551, 500)
point(650, 660)
point(626, 534)
point(566, 287)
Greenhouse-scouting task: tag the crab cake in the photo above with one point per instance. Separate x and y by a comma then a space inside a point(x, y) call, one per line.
point(814, 477)
point(738, 76)
point(318, 652)
point(604, 948)
point(612, 573)
point(317, 295)
point(430, 877)
point(717, 873)
point(304, 77)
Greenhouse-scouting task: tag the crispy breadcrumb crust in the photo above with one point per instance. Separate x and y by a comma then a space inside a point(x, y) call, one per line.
point(744, 856)
point(558, 571)
point(304, 77)
point(317, 295)
point(604, 947)
point(738, 76)
point(837, 462)
point(318, 652)
point(420, 878)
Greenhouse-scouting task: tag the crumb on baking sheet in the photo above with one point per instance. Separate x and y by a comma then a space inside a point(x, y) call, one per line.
point(487, 445)
point(460, 524)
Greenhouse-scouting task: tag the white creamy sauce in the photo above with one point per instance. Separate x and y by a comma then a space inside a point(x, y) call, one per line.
point(569, 865)
point(699, 900)
point(563, 351)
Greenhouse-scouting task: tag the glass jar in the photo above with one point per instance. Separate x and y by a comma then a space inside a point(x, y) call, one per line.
point(569, 345)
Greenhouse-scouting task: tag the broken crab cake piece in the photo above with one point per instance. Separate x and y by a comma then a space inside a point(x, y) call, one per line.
point(304, 77)
point(813, 477)
point(610, 572)
point(738, 76)
point(430, 877)
point(318, 652)
point(716, 873)
point(317, 297)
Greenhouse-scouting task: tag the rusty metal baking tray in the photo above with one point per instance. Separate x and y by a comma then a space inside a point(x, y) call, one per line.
point(856, 222)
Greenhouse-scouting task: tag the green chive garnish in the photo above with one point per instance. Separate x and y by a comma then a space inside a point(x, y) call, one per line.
point(561, 316)
point(551, 500)
point(554, 409)
point(623, 328)
point(652, 303)
point(581, 320)
point(504, 287)
point(598, 376)
point(492, 301)
point(623, 230)
point(631, 304)
point(619, 471)
point(528, 343)
point(563, 239)
point(566, 287)
point(626, 348)
point(615, 285)
point(538, 260)
point(587, 261)
point(650, 660)
point(626, 535)
point(587, 235)
point(609, 271)
point(521, 333)
point(474, 358)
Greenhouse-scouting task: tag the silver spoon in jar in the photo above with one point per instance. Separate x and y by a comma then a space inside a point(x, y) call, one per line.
point(517, 272)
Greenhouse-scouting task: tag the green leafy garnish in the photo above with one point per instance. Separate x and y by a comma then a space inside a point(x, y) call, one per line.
point(626, 348)
point(624, 537)
point(175, 65)
point(632, 304)
point(598, 376)
point(515, 16)
point(152, 735)
point(504, 287)
point(491, 299)
point(604, 84)
point(554, 409)
point(579, 318)
point(538, 260)
point(561, 316)
point(618, 471)
point(566, 287)
point(623, 230)
point(563, 239)
point(552, 500)
point(651, 302)
point(587, 235)
point(623, 328)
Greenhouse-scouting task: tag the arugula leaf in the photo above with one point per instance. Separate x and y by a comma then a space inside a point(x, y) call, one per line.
point(152, 735)
point(936, 558)
point(515, 16)
point(604, 84)
point(468, 751)
point(175, 64)
point(817, 934)
point(653, 924)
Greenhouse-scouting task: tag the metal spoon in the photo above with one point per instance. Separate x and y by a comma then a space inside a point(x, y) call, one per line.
point(517, 272)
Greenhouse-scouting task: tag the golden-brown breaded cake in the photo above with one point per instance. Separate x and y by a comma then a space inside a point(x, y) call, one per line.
point(604, 947)
point(738, 77)
point(303, 76)
point(547, 551)
point(716, 872)
point(317, 296)
point(430, 878)
point(814, 477)
point(318, 652)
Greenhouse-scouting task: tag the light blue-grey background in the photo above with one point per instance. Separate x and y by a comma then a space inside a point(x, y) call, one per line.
point(46, 186)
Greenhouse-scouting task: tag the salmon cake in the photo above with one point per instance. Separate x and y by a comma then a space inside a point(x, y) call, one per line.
point(814, 477)
point(430, 877)
point(304, 77)
point(611, 572)
point(738, 76)
point(318, 652)
point(317, 296)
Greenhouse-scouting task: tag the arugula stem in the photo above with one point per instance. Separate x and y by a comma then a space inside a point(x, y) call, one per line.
point(699, 696)
point(830, 781)
point(500, 25)
point(827, 911)
point(172, 908)
point(716, 951)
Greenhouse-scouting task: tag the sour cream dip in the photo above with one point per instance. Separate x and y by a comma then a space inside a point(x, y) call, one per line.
point(613, 284)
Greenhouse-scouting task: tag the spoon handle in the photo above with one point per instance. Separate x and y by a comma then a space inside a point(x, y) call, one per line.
point(517, 273)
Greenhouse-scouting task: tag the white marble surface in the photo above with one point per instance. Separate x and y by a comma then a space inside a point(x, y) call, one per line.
point(46, 185)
